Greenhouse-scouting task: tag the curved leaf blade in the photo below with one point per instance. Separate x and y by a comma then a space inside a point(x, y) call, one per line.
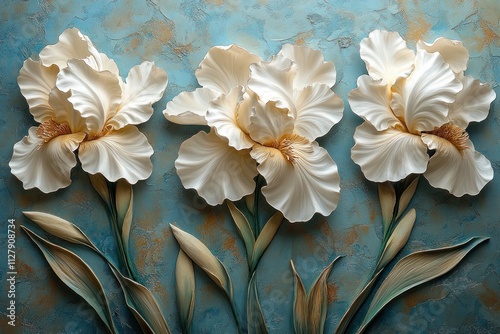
point(100, 184)
point(265, 237)
point(184, 288)
point(300, 309)
point(243, 227)
point(256, 323)
point(406, 196)
point(124, 199)
point(416, 269)
point(387, 199)
point(77, 275)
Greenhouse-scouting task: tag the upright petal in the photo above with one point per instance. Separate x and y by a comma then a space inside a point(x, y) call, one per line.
point(423, 97)
point(299, 188)
point(371, 101)
point(45, 165)
point(459, 172)
point(64, 113)
point(318, 109)
point(225, 67)
point(217, 171)
point(472, 103)
point(453, 52)
point(121, 154)
point(389, 155)
point(312, 67)
point(145, 85)
point(36, 81)
point(386, 56)
point(96, 95)
point(222, 116)
point(190, 108)
point(268, 123)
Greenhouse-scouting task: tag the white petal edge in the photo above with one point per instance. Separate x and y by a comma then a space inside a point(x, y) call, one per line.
point(64, 113)
point(215, 170)
point(389, 155)
point(454, 52)
point(190, 108)
point(312, 67)
point(121, 154)
point(46, 166)
point(386, 56)
point(309, 185)
point(459, 173)
point(269, 123)
point(145, 85)
point(371, 101)
point(225, 67)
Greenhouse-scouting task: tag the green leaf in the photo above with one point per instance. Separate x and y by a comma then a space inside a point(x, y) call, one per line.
point(387, 198)
point(300, 307)
point(244, 228)
point(60, 228)
point(203, 257)
point(184, 288)
point(124, 198)
point(100, 184)
point(77, 275)
point(255, 319)
point(406, 196)
point(142, 304)
point(416, 269)
point(265, 237)
point(397, 240)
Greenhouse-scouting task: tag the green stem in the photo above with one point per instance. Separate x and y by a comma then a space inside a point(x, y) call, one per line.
point(236, 315)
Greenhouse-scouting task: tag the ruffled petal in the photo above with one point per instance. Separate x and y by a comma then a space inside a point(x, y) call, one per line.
point(144, 86)
point(121, 154)
point(45, 165)
point(96, 95)
point(371, 101)
point(269, 123)
point(460, 173)
point(312, 67)
point(225, 67)
point(453, 52)
point(72, 45)
point(472, 103)
point(389, 155)
point(190, 108)
point(386, 56)
point(274, 80)
point(217, 171)
point(36, 81)
point(101, 62)
point(222, 116)
point(300, 188)
point(64, 113)
point(423, 97)
point(318, 109)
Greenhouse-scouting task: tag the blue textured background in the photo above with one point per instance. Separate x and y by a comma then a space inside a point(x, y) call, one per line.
point(176, 36)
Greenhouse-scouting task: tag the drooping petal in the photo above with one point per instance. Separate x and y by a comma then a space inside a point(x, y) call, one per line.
point(318, 109)
point(45, 165)
point(216, 170)
point(190, 108)
point(36, 81)
point(144, 86)
point(96, 95)
point(121, 154)
point(371, 101)
point(312, 67)
point(273, 81)
point(225, 67)
point(268, 123)
point(424, 96)
point(453, 52)
point(388, 155)
point(386, 56)
point(459, 172)
point(72, 44)
point(64, 113)
point(303, 187)
point(472, 103)
point(222, 116)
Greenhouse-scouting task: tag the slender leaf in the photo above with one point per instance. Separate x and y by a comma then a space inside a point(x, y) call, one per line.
point(184, 288)
point(124, 198)
point(406, 196)
point(300, 309)
point(416, 269)
point(100, 184)
point(77, 275)
point(203, 257)
point(142, 304)
point(256, 323)
point(265, 237)
point(387, 198)
point(250, 202)
point(244, 228)
point(398, 239)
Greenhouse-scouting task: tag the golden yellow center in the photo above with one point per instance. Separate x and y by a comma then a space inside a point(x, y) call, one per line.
point(51, 129)
point(454, 134)
point(286, 146)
